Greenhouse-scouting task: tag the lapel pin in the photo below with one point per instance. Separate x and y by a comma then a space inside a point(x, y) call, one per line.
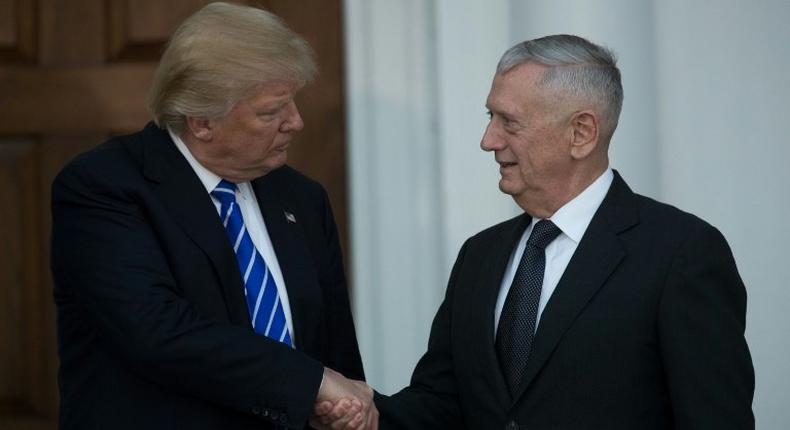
point(290, 217)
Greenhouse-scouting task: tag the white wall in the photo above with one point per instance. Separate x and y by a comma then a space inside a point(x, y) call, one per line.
point(703, 128)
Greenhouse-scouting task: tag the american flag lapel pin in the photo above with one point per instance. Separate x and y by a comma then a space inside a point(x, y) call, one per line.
point(290, 217)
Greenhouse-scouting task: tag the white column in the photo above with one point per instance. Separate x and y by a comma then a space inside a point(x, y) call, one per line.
point(419, 182)
point(471, 37)
point(395, 197)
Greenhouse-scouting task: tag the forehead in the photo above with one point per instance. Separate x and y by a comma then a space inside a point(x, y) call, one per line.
point(272, 91)
point(516, 88)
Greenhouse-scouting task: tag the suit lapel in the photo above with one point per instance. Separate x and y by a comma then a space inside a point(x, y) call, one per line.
point(487, 291)
point(293, 256)
point(598, 254)
point(185, 197)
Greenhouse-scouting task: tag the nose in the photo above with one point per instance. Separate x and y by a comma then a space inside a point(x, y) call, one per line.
point(293, 121)
point(491, 140)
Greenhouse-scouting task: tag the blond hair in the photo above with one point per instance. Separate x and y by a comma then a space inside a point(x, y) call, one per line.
point(218, 56)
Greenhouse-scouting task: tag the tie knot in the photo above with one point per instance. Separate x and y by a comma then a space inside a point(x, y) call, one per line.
point(225, 192)
point(543, 233)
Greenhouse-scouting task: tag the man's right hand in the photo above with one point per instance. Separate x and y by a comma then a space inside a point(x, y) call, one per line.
point(344, 404)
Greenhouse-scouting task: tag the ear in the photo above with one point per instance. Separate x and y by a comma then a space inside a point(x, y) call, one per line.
point(584, 133)
point(200, 127)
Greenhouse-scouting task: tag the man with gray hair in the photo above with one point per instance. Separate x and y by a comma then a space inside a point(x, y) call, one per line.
point(198, 280)
point(596, 308)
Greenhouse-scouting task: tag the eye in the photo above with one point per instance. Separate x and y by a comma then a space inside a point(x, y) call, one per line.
point(269, 113)
point(489, 114)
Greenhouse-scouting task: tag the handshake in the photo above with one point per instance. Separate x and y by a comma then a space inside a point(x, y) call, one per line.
point(344, 404)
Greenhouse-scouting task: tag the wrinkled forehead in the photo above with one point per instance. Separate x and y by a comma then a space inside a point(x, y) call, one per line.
point(517, 86)
point(271, 90)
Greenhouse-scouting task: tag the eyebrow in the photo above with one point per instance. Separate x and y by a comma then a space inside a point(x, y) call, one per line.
point(507, 115)
point(272, 104)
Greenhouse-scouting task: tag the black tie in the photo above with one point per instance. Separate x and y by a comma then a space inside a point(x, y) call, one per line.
point(520, 312)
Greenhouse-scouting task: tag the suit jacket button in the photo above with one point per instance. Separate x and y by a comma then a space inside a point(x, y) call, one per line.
point(274, 415)
point(511, 426)
point(265, 412)
point(283, 418)
point(255, 410)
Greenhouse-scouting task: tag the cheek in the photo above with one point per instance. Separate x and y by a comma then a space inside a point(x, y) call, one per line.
point(263, 137)
point(271, 149)
point(525, 155)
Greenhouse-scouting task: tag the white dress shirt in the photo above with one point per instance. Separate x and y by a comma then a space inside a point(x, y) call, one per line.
point(253, 221)
point(572, 219)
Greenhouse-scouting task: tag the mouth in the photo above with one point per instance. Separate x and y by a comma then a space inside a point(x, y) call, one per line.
point(504, 167)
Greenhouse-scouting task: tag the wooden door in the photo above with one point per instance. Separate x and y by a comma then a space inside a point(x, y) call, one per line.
point(72, 73)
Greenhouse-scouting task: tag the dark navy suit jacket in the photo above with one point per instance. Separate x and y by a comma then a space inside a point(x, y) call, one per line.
point(645, 330)
point(153, 329)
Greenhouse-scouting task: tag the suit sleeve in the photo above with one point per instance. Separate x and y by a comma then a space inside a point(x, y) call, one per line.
point(341, 348)
point(431, 400)
point(701, 330)
point(110, 270)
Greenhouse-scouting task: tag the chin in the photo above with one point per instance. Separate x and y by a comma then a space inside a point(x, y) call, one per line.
point(278, 161)
point(509, 188)
point(274, 163)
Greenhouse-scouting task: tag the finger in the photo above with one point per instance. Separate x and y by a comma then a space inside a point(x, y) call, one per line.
point(342, 424)
point(356, 423)
point(322, 408)
point(340, 410)
point(361, 407)
point(357, 404)
point(361, 423)
point(371, 420)
point(374, 424)
point(342, 417)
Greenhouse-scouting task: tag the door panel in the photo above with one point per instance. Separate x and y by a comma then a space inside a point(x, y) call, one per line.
point(17, 31)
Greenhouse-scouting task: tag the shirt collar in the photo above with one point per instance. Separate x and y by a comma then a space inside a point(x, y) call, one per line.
point(574, 217)
point(209, 179)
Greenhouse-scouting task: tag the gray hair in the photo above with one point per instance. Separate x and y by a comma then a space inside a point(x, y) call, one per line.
point(577, 67)
point(218, 56)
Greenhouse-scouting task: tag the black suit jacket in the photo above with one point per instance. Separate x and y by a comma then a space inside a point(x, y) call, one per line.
point(644, 331)
point(153, 329)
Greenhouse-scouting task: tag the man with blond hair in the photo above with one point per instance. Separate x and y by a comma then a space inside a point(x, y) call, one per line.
point(198, 280)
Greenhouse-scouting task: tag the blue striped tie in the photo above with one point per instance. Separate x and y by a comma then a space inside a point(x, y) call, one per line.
point(263, 302)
